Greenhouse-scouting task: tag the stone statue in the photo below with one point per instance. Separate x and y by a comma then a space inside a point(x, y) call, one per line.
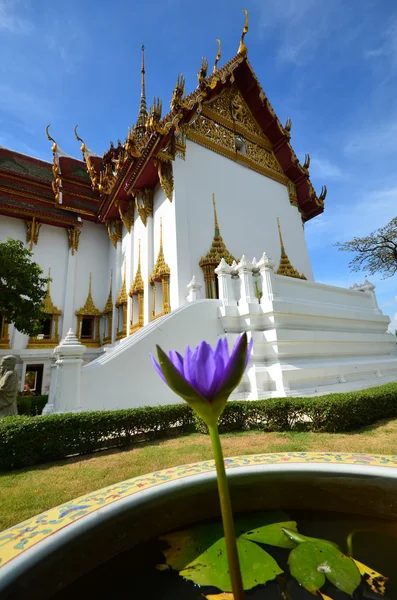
point(8, 386)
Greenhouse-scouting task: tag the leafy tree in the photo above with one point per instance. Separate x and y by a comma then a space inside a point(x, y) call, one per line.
point(376, 253)
point(22, 287)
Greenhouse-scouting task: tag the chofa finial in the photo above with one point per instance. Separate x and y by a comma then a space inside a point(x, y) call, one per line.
point(218, 56)
point(242, 49)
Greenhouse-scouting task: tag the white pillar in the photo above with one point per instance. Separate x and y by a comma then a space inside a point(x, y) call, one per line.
point(367, 286)
point(147, 268)
point(67, 386)
point(194, 288)
point(265, 266)
point(50, 406)
point(68, 301)
point(224, 273)
point(248, 296)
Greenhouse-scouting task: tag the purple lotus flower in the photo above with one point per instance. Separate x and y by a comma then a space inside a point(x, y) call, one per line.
point(205, 378)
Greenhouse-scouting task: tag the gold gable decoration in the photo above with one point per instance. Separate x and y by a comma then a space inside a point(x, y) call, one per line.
point(227, 126)
point(211, 260)
point(285, 267)
point(88, 321)
point(50, 336)
point(161, 274)
point(137, 289)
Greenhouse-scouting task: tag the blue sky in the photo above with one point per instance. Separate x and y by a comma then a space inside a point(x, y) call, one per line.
point(331, 65)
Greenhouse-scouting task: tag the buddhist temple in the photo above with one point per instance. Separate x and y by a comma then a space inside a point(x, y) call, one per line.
point(212, 177)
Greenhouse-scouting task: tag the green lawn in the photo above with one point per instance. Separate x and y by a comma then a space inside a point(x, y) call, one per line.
point(27, 492)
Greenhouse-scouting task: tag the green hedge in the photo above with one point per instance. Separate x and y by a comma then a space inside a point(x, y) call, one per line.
point(26, 440)
point(31, 405)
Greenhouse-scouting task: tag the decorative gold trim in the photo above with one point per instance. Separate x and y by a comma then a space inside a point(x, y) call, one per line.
point(48, 308)
point(293, 198)
point(4, 336)
point(137, 289)
point(211, 260)
point(242, 49)
point(115, 230)
point(57, 183)
point(89, 310)
point(180, 145)
point(166, 178)
point(128, 217)
point(23, 194)
point(285, 267)
point(122, 302)
point(237, 127)
point(87, 158)
point(107, 314)
point(144, 204)
point(73, 238)
point(218, 56)
point(32, 232)
point(161, 273)
point(237, 157)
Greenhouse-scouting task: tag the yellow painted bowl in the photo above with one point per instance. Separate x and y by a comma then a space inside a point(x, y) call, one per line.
point(45, 553)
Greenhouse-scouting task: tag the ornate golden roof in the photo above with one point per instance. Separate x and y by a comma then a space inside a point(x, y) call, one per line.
point(122, 298)
point(285, 267)
point(161, 269)
point(48, 306)
point(89, 308)
point(218, 249)
point(109, 302)
point(137, 285)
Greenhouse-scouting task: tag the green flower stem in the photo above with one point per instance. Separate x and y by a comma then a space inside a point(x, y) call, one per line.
point(227, 515)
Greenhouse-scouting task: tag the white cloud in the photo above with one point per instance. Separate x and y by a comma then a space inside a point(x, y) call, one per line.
point(388, 44)
point(10, 20)
point(324, 168)
point(380, 137)
point(21, 104)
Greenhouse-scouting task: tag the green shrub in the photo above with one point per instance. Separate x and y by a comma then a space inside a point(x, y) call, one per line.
point(26, 440)
point(31, 405)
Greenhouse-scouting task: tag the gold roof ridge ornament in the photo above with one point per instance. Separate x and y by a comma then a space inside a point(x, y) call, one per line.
point(285, 267)
point(242, 49)
point(56, 171)
point(218, 56)
point(89, 308)
point(90, 168)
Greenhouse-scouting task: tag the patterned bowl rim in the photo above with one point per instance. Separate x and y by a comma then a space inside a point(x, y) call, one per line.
point(28, 543)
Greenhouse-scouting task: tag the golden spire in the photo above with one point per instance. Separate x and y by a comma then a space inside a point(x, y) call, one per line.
point(109, 302)
point(48, 305)
point(161, 268)
point(122, 297)
point(137, 285)
point(218, 56)
point(285, 267)
point(89, 307)
point(215, 216)
point(242, 49)
point(218, 249)
point(142, 115)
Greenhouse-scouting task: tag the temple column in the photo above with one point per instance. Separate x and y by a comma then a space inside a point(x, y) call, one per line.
point(148, 265)
point(225, 289)
point(66, 397)
point(194, 288)
point(68, 301)
point(265, 266)
point(248, 297)
point(118, 278)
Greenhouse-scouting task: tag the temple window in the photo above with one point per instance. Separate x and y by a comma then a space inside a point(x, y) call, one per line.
point(4, 338)
point(211, 260)
point(49, 327)
point(107, 316)
point(160, 282)
point(121, 305)
point(88, 321)
point(136, 294)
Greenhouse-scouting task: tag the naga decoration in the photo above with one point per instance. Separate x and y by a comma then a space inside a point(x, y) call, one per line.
point(154, 116)
point(202, 74)
point(306, 164)
point(323, 194)
point(87, 158)
point(114, 231)
point(242, 49)
point(56, 184)
point(144, 204)
point(288, 125)
point(166, 177)
point(128, 216)
point(218, 56)
point(178, 94)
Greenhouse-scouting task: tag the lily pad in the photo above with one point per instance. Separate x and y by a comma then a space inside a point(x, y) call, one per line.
point(267, 528)
point(298, 538)
point(375, 580)
point(199, 554)
point(312, 562)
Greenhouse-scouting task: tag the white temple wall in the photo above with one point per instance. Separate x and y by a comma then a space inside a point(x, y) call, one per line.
point(248, 205)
